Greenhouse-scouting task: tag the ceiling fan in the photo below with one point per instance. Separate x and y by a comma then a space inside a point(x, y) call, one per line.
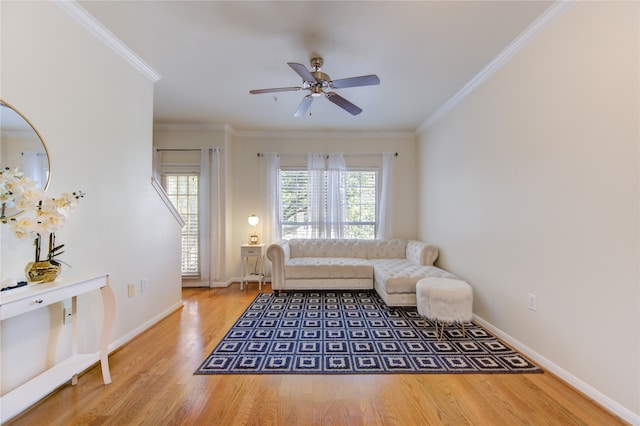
point(317, 82)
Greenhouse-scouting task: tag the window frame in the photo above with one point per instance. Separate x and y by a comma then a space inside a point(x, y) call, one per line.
point(185, 170)
point(375, 169)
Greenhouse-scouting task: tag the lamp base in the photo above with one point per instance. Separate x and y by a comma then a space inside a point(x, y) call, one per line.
point(254, 239)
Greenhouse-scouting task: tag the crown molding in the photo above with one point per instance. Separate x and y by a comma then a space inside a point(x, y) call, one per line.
point(550, 15)
point(92, 25)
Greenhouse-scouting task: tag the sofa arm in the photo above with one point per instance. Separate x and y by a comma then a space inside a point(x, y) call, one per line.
point(421, 253)
point(278, 253)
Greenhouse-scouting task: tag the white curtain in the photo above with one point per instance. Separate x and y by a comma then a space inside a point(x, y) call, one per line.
point(217, 216)
point(315, 166)
point(34, 166)
point(210, 214)
point(336, 196)
point(385, 210)
point(270, 190)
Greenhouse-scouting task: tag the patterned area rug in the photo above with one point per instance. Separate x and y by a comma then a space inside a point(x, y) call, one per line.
point(352, 332)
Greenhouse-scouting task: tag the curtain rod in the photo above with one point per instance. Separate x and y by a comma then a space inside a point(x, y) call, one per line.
point(260, 154)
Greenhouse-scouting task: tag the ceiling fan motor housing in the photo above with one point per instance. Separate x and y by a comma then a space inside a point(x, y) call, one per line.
point(322, 79)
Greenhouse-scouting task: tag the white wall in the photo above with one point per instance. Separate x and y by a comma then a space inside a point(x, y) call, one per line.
point(531, 185)
point(95, 113)
point(242, 174)
point(246, 165)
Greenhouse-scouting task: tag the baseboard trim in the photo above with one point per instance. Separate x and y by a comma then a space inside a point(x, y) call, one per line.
point(600, 398)
point(113, 346)
point(190, 283)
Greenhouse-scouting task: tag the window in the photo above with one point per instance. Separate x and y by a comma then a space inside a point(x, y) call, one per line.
point(182, 190)
point(359, 189)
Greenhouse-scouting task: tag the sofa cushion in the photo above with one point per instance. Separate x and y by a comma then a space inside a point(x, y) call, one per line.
point(328, 248)
point(327, 267)
point(386, 249)
point(401, 275)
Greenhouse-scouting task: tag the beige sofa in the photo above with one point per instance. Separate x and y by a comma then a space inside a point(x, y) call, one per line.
point(392, 267)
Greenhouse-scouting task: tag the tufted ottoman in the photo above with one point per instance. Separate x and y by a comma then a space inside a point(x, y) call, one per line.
point(445, 300)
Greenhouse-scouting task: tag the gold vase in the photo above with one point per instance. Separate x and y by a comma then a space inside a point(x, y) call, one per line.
point(43, 271)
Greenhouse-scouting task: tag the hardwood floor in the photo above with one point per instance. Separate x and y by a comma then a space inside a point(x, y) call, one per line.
point(153, 384)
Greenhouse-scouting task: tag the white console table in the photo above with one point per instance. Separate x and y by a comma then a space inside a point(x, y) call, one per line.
point(26, 299)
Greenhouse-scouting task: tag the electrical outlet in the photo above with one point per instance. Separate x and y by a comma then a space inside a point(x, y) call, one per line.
point(532, 302)
point(67, 315)
point(132, 290)
point(143, 285)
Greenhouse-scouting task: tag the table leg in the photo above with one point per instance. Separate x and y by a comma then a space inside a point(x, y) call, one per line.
point(74, 334)
point(109, 302)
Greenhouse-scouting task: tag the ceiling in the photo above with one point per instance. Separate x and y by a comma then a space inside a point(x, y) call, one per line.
point(211, 53)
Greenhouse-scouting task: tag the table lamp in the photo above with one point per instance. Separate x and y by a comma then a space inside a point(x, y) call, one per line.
point(253, 237)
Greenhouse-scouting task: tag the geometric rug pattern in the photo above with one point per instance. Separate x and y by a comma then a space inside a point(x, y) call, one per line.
point(352, 332)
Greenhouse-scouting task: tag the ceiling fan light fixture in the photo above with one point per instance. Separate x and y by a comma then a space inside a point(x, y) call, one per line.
point(316, 91)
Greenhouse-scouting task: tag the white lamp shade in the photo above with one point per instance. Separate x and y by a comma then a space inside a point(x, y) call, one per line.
point(253, 220)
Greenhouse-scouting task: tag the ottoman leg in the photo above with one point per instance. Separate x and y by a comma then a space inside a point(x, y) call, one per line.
point(442, 325)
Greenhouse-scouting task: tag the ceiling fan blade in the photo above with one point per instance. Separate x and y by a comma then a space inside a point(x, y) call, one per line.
point(275, 89)
point(363, 80)
point(304, 106)
point(343, 103)
point(302, 71)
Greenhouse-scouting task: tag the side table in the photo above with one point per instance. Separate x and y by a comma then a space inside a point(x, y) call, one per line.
point(256, 251)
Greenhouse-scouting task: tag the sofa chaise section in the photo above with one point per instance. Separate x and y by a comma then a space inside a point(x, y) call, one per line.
point(395, 279)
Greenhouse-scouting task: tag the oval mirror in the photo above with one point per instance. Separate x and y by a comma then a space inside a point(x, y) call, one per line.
point(22, 146)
